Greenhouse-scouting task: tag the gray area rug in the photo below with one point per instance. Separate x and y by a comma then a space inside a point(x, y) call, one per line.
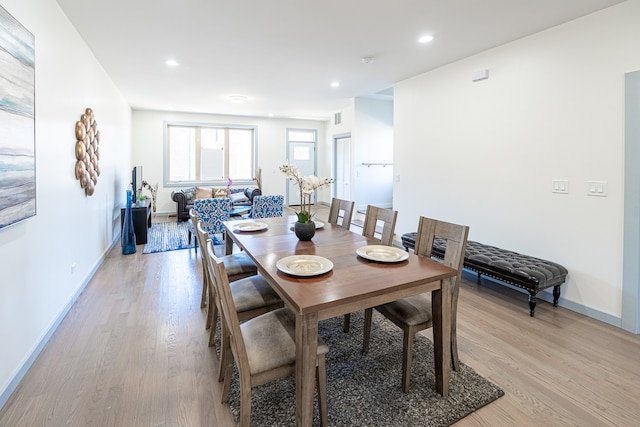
point(365, 390)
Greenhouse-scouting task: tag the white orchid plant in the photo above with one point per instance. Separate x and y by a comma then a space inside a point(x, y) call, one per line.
point(307, 185)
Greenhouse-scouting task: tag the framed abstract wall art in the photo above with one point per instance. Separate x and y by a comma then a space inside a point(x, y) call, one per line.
point(17, 122)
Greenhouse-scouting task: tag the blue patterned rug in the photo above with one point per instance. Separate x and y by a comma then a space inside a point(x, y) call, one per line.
point(170, 236)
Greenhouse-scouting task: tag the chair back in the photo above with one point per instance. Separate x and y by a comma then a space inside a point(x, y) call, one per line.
point(341, 208)
point(267, 206)
point(193, 217)
point(219, 279)
point(202, 236)
point(387, 217)
point(212, 213)
point(456, 238)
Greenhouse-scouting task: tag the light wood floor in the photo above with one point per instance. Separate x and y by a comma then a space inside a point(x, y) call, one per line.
point(133, 352)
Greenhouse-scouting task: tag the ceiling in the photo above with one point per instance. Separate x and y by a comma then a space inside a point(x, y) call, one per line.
point(283, 54)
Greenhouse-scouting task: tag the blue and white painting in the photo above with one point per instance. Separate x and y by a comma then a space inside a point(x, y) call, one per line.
point(17, 126)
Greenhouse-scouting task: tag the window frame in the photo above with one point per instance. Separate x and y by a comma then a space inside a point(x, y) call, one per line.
point(167, 182)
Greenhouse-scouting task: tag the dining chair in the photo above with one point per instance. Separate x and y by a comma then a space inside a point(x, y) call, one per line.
point(263, 347)
point(267, 206)
point(374, 216)
point(191, 228)
point(255, 296)
point(341, 209)
point(213, 212)
point(414, 314)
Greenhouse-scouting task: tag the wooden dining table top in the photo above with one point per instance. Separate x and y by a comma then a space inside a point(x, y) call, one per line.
point(354, 283)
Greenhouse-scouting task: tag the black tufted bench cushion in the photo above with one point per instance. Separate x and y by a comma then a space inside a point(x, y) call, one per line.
point(527, 272)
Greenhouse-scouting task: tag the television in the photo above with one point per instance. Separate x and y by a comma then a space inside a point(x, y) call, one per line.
point(136, 183)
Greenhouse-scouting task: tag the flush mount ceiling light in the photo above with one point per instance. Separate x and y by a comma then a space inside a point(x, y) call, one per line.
point(171, 62)
point(425, 39)
point(335, 84)
point(238, 99)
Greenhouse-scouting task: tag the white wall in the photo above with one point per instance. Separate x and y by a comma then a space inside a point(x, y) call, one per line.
point(70, 228)
point(370, 123)
point(484, 153)
point(272, 149)
point(373, 139)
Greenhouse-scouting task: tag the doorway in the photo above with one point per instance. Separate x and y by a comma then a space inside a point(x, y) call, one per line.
point(342, 166)
point(301, 153)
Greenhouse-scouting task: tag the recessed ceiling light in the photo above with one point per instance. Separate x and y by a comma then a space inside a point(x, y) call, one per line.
point(171, 62)
point(238, 99)
point(335, 84)
point(425, 39)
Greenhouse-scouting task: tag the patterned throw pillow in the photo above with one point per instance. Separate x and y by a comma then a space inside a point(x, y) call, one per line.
point(219, 192)
point(203, 193)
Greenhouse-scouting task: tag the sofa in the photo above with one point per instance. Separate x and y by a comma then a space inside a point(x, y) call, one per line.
point(240, 196)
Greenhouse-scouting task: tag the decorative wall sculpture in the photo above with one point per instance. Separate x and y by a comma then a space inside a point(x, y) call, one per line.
point(87, 153)
point(17, 126)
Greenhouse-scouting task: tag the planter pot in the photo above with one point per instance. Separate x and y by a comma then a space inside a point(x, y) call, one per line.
point(305, 230)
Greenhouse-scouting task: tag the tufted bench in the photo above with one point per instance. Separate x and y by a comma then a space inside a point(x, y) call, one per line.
point(523, 271)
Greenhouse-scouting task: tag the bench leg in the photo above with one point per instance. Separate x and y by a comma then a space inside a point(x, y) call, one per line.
point(556, 295)
point(532, 303)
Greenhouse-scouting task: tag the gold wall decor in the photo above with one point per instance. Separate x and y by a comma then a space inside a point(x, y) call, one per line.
point(87, 153)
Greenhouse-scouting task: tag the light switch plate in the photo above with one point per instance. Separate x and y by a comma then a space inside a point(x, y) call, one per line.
point(597, 188)
point(560, 186)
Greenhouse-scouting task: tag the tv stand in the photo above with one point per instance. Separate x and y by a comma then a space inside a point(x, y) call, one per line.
point(141, 211)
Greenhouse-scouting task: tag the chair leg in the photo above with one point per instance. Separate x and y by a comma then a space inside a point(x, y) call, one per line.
point(203, 300)
point(214, 322)
point(407, 355)
point(321, 380)
point(454, 352)
point(245, 400)
point(226, 386)
point(226, 357)
point(347, 322)
point(368, 316)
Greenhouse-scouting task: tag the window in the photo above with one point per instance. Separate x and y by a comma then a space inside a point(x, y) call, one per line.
point(201, 153)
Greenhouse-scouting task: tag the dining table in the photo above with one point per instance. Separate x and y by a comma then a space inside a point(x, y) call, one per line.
point(347, 278)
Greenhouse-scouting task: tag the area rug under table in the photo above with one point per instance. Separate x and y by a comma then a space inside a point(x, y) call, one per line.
point(365, 390)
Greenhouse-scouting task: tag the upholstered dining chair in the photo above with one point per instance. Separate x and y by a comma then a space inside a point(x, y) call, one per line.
point(213, 212)
point(267, 206)
point(264, 348)
point(414, 314)
point(374, 216)
point(255, 296)
point(341, 209)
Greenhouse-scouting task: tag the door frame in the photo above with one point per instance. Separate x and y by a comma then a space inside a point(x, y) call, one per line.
point(315, 161)
point(630, 317)
point(335, 162)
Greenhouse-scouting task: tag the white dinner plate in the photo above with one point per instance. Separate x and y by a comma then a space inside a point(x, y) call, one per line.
point(250, 226)
point(382, 253)
point(304, 265)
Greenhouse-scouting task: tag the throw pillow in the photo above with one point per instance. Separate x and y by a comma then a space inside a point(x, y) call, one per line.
point(238, 197)
point(219, 192)
point(203, 193)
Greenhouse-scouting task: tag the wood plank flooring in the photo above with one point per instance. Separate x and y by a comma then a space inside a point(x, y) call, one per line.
point(133, 352)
